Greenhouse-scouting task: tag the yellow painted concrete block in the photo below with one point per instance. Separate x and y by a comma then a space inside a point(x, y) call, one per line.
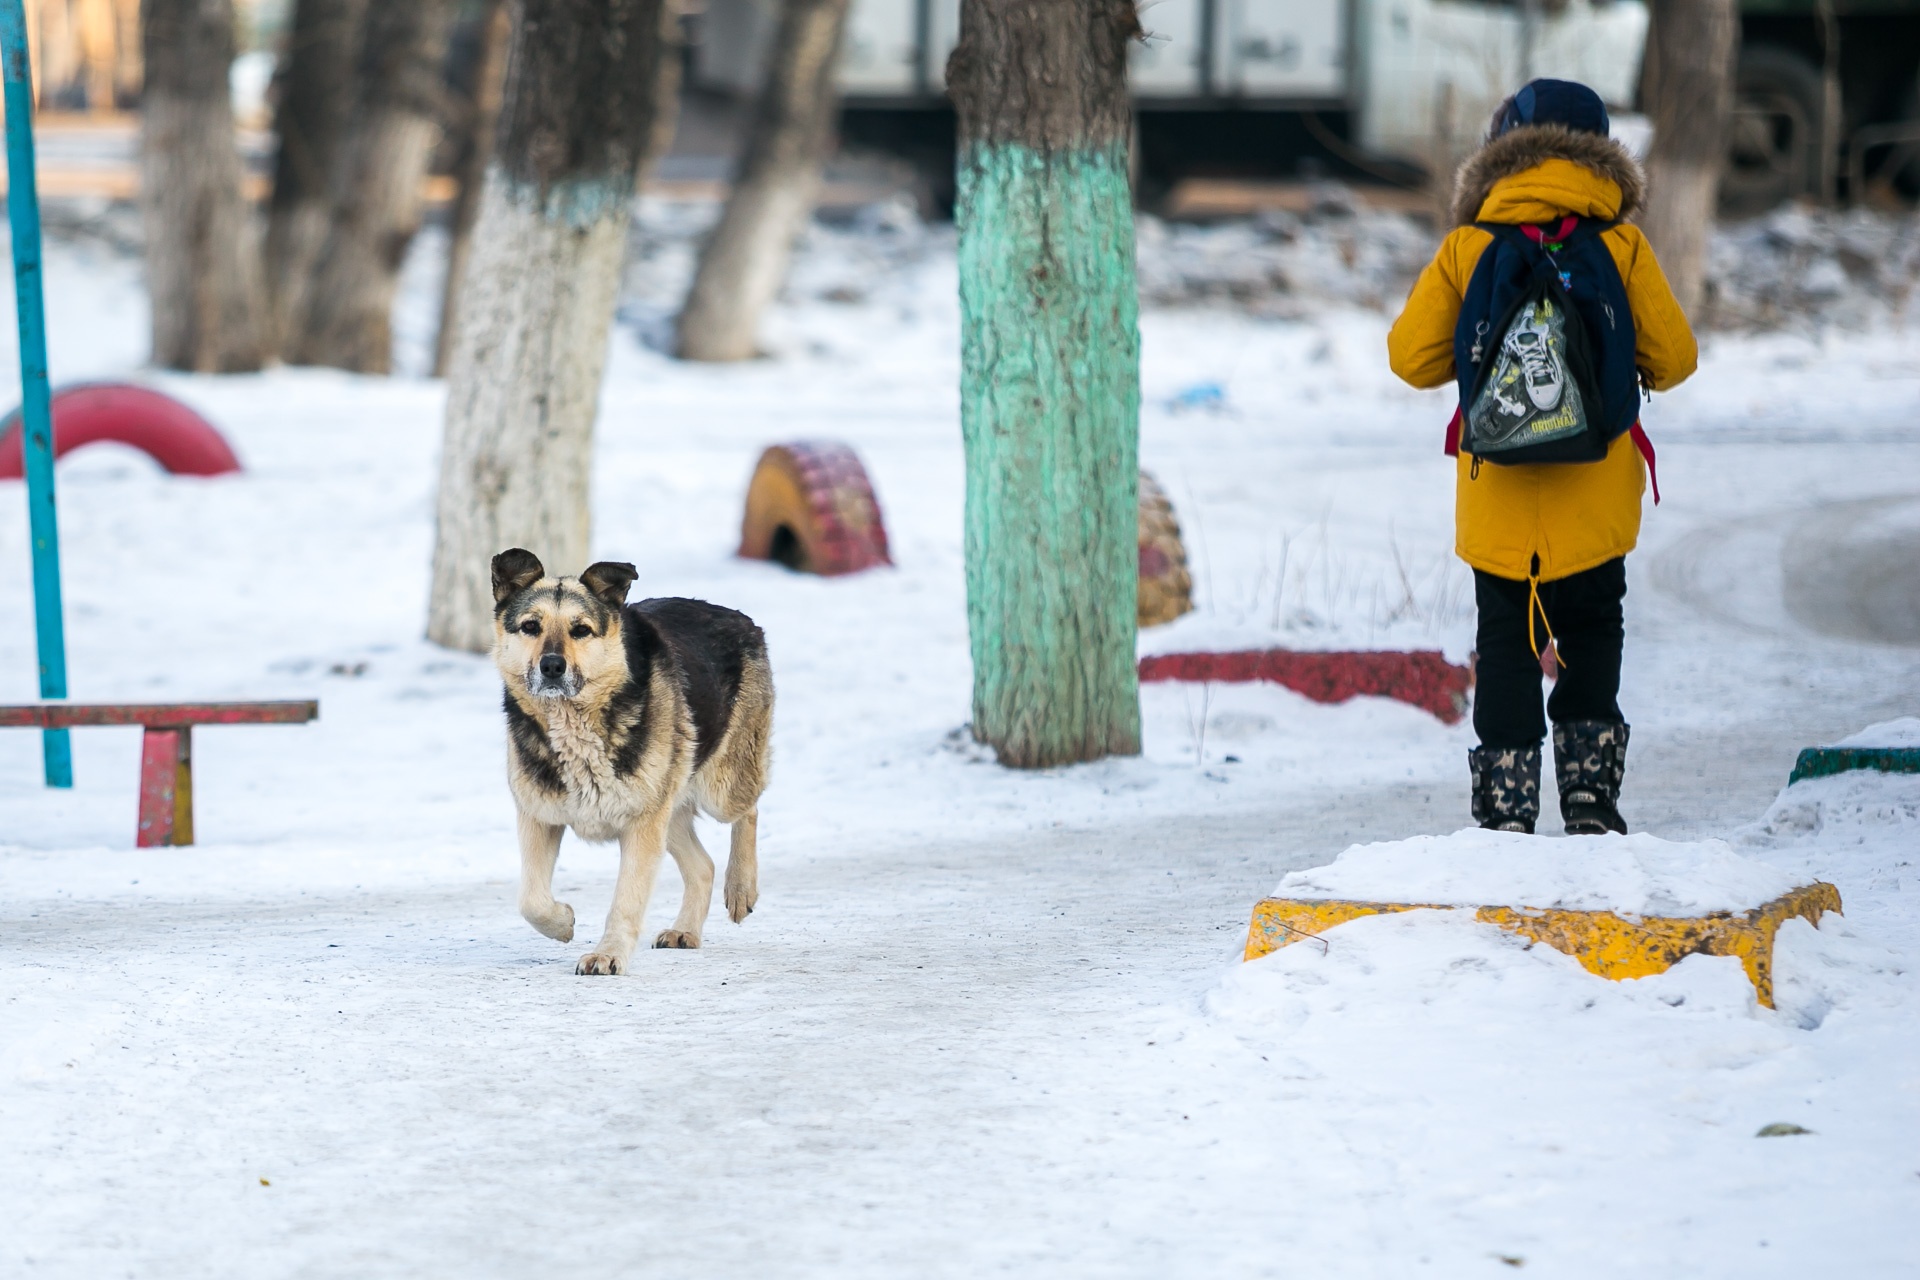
point(1609, 945)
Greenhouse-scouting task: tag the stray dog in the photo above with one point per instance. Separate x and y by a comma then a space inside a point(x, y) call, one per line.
point(621, 718)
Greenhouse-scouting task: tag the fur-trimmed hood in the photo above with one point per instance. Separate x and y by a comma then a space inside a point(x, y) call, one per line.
point(1531, 146)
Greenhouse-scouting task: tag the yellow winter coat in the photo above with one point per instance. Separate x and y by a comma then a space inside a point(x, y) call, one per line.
point(1572, 516)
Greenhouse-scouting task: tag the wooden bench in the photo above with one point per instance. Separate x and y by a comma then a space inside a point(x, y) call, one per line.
point(166, 753)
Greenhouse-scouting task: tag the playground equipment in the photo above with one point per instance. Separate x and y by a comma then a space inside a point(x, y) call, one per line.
point(23, 217)
point(811, 508)
point(1421, 677)
point(180, 440)
point(166, 751)
point(1166, 588)
point(1606, 944)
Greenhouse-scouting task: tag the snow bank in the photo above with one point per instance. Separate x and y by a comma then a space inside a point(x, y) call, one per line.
point(1636, 875)
point(1443, 969)
point(1904, 732)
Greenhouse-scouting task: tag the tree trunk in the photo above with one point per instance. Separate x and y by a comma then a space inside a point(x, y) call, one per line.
point(310, 123)
point(203, 269)
point(1050, 376)
point(1691, 51)
point(377, 201)
point(745, 259)
point(470, 168)
point(588, 83)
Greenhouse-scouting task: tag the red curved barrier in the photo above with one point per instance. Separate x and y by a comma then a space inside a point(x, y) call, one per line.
point(167, 431)
point(1422, 677)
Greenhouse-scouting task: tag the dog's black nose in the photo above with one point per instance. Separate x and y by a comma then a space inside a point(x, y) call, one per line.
point(552, 666)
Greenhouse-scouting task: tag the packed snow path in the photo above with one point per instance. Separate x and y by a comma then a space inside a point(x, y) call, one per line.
point(976, 1023)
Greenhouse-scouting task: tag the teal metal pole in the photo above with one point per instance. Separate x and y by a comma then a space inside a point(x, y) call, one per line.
point(36, 417)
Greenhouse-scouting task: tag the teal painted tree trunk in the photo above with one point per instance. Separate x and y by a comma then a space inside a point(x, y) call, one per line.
point(1050, 377)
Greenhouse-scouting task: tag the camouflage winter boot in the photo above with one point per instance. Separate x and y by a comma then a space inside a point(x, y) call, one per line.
point(1506, 787)
point(1590, 759)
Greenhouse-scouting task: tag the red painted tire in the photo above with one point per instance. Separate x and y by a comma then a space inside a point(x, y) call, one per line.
point(180, 440)
point(1422, 678)
point(811, 507)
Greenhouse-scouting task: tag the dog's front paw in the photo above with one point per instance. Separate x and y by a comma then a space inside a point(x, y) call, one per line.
point(740, 900)
point(672, 939)
point(556, 921)
point(599, 962)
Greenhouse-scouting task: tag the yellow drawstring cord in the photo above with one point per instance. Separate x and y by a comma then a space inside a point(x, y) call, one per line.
point(1535, 606)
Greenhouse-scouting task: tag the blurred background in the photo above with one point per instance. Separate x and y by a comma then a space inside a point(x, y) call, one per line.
point(1254, 118)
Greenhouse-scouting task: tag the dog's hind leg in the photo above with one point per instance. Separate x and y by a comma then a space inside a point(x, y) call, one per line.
point(539, 850)
point(696, 873)
point(743, 866)
point(641, 848)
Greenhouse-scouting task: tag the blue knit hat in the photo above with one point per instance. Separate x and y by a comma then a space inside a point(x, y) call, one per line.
point(1560, 102)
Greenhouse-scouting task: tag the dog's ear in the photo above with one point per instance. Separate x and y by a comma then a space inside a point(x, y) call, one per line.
point(609, 580)
point(515, 570)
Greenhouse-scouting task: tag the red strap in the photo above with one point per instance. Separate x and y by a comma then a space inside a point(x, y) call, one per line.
point(1540, 235)
point(1645, 446)
point(1640, 442)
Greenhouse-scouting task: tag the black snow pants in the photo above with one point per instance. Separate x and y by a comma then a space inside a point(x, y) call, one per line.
point(1585, 615)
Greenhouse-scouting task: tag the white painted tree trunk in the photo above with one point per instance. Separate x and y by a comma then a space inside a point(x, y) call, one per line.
point(589, 97)
point(743, 267)
point(536, 305)
point(744, 261)
point(1691, 51)
point(347, 320)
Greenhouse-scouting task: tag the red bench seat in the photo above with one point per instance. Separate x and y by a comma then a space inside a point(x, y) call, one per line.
point(166, 753)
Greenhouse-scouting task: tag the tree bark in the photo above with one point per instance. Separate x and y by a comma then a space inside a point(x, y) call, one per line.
point(585, 106)
point(310, 123)
point(1691, 51)
point(377, 203)
point(1050, 375)
point(470, 168)
point(203, 267)
point(745, 260)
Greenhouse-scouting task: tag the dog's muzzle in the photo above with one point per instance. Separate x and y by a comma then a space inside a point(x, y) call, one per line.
point(551, 678)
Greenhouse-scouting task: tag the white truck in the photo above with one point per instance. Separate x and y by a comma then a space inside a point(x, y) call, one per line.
point(1415, 79)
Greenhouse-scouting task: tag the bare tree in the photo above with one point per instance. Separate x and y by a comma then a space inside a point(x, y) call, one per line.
point(745, 260)
point(310, 128)
point(1049, 375)
point(377, 202)
point(1688, 90)
point(203, 265)
point(589, 83)
point(480, 113)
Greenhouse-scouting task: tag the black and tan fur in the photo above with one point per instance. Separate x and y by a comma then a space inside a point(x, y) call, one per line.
point(622, 719)
point(1521, 149)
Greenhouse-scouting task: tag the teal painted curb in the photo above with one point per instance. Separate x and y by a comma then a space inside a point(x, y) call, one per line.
point(1824, 762)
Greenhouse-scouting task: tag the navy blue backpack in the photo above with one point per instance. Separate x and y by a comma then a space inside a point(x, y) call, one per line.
point(1544, 347)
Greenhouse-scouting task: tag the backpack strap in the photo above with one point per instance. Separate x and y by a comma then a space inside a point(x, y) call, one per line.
point(1550, 239)
point(1645, 446)
point(1570, 228)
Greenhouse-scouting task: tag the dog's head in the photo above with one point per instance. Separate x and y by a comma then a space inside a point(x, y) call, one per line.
point(558, 637)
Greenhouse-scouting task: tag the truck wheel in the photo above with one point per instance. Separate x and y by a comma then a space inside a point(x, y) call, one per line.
point(1901, 167)
point(1773, 144)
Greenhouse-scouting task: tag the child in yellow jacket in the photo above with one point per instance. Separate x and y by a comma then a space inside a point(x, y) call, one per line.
point(1547, 541)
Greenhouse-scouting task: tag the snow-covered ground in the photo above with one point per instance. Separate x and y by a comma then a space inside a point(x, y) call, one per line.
point(981, 1020)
